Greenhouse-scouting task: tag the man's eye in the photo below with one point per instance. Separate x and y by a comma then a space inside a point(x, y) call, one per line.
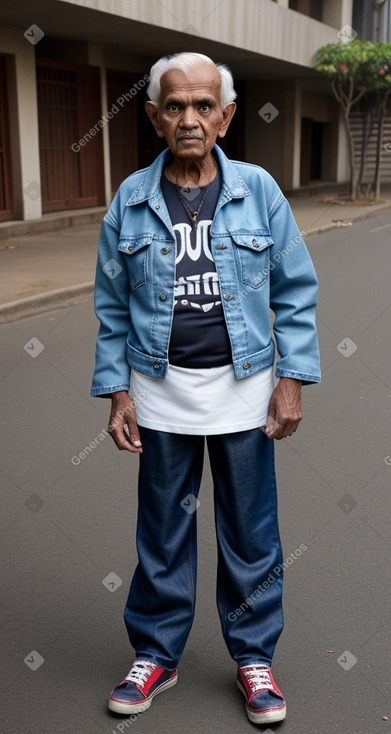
point(205, 108)
point(173, 107)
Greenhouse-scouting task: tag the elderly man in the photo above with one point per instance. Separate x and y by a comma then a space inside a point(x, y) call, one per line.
point(193, 253)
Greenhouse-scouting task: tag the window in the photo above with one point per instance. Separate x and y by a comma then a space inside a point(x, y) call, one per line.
point(312, 8)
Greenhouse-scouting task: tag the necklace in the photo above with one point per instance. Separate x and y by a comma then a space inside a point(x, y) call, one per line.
point(193, 215)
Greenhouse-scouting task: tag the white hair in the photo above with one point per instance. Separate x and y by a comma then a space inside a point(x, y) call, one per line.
point(186, 61)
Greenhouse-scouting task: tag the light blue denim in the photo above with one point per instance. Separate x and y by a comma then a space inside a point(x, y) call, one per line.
point(261, 260)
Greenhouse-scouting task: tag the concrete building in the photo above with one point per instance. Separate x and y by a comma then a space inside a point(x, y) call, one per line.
point(372, 20)
point(73, 76)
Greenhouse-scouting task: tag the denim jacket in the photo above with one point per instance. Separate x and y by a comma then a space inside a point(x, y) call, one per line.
point(261, 261)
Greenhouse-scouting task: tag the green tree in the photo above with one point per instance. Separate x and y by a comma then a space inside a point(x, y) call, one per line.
point(359, 70)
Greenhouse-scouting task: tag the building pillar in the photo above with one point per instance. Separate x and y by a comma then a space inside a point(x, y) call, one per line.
point(26, 176)
point(292, 135)
point(96, 58)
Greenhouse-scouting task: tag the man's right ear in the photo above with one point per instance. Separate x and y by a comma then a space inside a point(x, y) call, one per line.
point(151, 109)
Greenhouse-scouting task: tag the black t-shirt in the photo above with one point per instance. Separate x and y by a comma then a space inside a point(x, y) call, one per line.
point(199, 336)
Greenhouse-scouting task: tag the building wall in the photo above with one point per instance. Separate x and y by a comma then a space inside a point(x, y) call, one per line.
point(259, 26)
point(372, 21)
point(277, 146)
point(262, 37)
point(260, 136)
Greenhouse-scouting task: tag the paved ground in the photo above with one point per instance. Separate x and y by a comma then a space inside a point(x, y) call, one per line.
point(66, 526)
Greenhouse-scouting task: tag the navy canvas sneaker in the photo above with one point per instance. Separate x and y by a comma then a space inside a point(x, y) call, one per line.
point(144, 681)
point(265, 702)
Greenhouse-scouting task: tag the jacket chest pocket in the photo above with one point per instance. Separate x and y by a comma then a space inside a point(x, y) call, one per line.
point(136, 250)
point(253, 256)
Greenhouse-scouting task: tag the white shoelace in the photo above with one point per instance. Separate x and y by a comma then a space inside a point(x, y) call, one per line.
point(258, 677)
point(140, 672)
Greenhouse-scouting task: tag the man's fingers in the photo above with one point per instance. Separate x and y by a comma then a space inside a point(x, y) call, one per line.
point(123, 423)
point(280, 429)
point(285, 429)
point(272, 426)
point(122, 440)
point(125, 437)
point(132, 435)
point(285, 413)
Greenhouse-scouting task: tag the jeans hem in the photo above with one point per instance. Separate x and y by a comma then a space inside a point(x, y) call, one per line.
point(152, 659)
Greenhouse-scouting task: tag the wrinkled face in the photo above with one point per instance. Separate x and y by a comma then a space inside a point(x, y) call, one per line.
point(189, 113)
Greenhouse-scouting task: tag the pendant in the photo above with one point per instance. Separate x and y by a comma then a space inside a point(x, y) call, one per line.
point(194, 216)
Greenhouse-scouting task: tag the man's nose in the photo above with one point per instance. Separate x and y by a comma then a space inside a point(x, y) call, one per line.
point(189, 117)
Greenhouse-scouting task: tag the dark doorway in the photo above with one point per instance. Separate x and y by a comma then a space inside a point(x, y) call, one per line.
point(310, 151)
point(316, 151)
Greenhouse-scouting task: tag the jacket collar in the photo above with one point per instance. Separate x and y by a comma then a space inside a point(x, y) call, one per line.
point(149, 185)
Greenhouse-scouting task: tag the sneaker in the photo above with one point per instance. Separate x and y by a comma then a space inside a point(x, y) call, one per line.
point(144, 681)
point(265, 702)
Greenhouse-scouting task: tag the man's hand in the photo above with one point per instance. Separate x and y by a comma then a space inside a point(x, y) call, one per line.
point(123, 423)
point(284, 412)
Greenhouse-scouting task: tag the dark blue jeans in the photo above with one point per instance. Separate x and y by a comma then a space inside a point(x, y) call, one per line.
point(160, 607)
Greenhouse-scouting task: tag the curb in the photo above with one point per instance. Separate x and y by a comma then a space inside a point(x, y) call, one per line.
point(359, 218)
point(34, 305)
point(52, 222)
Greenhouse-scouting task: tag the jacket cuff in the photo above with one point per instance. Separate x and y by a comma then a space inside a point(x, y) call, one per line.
point(105, 392)
point(305, 378)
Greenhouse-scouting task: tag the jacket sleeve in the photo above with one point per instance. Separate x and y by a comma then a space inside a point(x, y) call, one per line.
point(293, 298)
point(111, 298)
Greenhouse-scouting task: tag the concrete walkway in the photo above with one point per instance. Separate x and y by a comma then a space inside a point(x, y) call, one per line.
point(51, 262)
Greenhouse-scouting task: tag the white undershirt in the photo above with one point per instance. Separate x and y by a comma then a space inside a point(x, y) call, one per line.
point(202, 401)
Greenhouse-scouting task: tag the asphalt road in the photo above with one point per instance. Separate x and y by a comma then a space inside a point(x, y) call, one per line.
point(67, 530)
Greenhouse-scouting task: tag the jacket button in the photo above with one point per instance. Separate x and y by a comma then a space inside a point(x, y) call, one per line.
point(255, 243)
point(156, 366)
point(221, 247)
point(165, 250)
point(157, 206)
point(129, 248)
point(227, 297)
point(246, 366)
point(162, 297)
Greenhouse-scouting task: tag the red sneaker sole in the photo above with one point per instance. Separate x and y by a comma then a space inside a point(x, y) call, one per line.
point(270, 716)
